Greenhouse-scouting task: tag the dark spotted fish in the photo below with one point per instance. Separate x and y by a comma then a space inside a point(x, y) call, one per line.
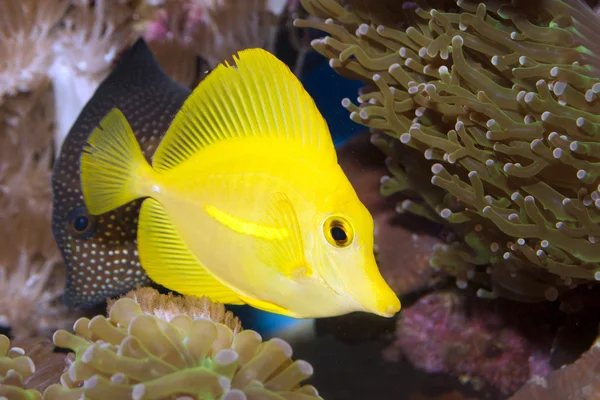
point(100, 252)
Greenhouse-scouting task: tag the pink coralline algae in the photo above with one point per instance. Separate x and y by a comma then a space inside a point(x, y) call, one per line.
point(484, 342)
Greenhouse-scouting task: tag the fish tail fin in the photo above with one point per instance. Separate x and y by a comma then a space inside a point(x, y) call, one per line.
point(114, 171)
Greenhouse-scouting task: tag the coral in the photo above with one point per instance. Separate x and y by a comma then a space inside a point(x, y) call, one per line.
point(169, 38)
point(255, 24)
point(189, 37)
point(168, 306)
point(54, 54)
point(74, 42)
point(496, 103)
point(26, 29)
point(482, 341)
point(15, 367)
point(31, 281)
point(91, 35)
point(216, 29)
point(577, 381)
point(178, 347)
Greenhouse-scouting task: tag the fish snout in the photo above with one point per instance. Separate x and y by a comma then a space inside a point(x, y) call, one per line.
point(388, 306)
point(375, 296)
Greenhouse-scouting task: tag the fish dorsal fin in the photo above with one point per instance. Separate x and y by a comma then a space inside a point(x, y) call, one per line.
point(137, 63)
point(137, 69)
point(258, 97)
point(285, 253)
point(168, 261)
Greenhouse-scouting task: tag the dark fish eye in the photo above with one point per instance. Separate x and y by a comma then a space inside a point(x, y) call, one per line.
point(338, 234)
point(80, 223)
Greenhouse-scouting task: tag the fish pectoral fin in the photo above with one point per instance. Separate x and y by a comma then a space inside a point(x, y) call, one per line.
point(168, 261)
point(259, 97)
point(286, 251)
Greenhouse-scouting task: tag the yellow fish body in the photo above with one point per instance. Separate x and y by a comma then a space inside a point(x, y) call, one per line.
point(245, 201)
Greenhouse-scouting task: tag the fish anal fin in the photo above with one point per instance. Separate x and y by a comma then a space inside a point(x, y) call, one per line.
point(168, 261)
point(286, 253)
point(259, 97)
point(268, 306)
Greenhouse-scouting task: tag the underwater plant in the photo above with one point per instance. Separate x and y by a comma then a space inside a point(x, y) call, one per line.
point(496, 104)
point(155, 346)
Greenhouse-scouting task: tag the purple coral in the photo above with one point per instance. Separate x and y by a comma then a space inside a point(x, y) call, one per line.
point(481, 341)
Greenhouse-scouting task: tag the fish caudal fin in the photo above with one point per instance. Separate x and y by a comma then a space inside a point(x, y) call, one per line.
point(113, 168)
point(259, 97)
point(167, 260)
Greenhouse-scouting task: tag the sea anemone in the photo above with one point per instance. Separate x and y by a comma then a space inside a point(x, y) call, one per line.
point(403, 244)
point(49, 364)
point(496, 104)
point(156, 346)
point(15, 368)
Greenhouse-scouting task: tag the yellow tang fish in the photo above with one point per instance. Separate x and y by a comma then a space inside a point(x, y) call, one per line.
point(245, 201)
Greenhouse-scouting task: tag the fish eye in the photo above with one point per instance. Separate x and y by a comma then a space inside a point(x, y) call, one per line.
point(80, 223)
point(338, 231)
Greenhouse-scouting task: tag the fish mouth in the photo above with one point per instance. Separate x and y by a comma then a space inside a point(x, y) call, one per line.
point(380, 302)
point(368, 296)
point(374, 306)
point(389, 312)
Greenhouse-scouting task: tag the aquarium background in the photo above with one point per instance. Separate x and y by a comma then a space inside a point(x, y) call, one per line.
point(438, 110)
